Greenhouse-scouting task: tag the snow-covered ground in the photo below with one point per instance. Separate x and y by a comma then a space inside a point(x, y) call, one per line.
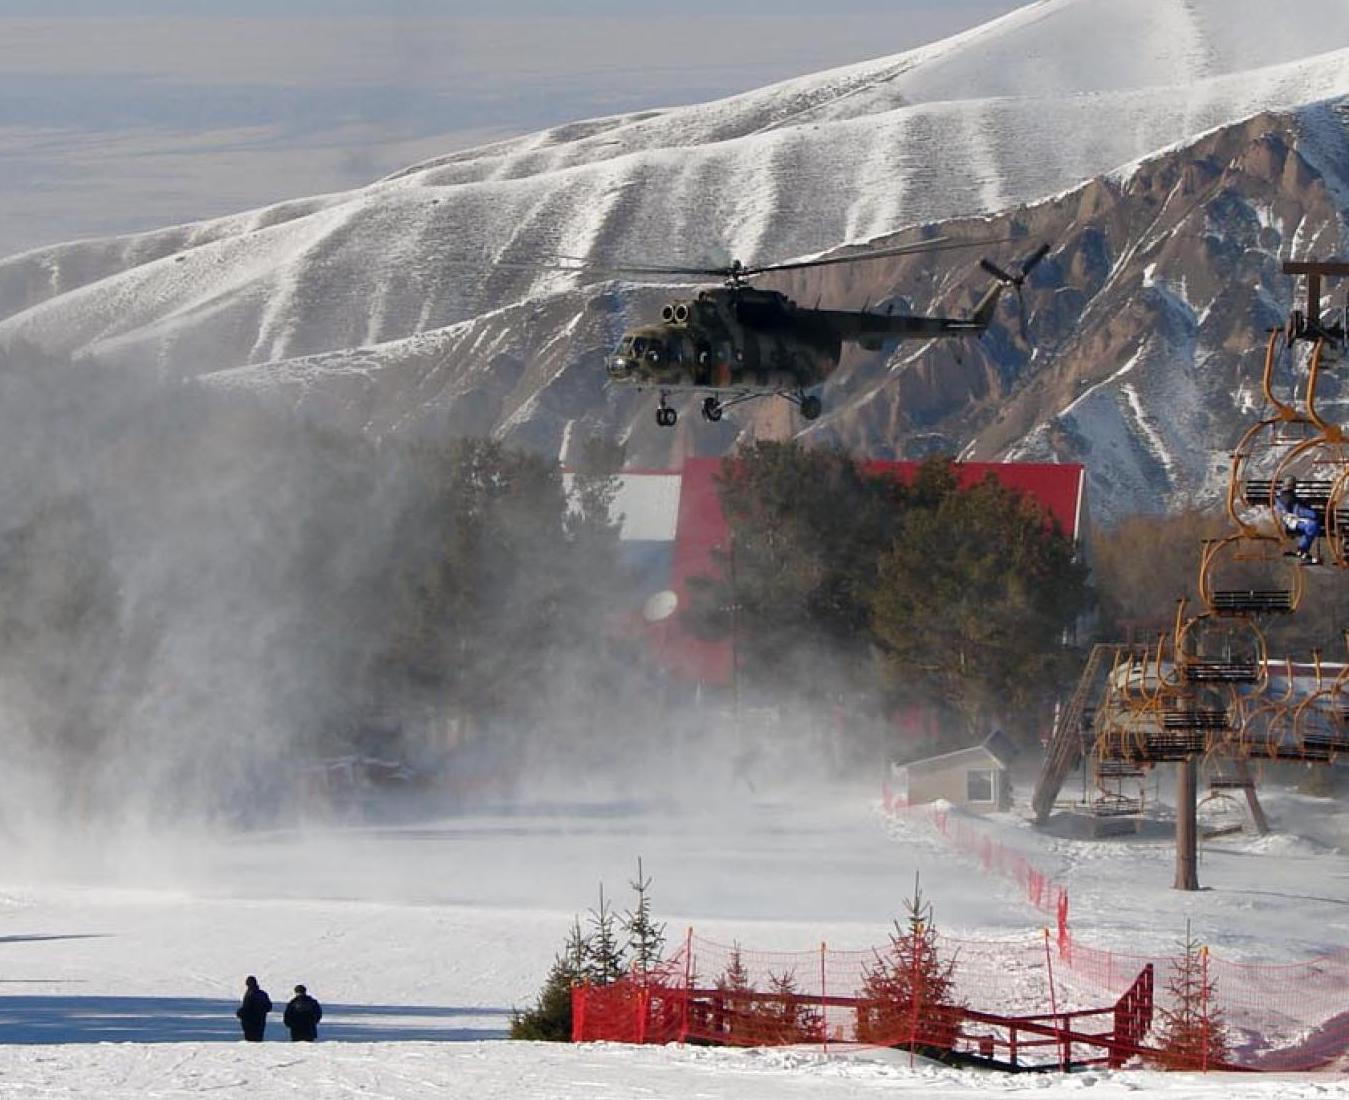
point(123, 958)
point(517, 1071)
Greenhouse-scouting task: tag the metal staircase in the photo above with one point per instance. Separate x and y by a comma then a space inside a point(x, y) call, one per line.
point(1066, 744)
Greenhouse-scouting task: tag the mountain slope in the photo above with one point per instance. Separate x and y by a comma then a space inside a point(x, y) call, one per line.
point(1146, 327)
point(1147, 322)
point(409, 303)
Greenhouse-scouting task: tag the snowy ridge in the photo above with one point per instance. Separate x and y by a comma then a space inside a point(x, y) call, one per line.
point(1166, 272)
point(417, 303)
point(1022, 107)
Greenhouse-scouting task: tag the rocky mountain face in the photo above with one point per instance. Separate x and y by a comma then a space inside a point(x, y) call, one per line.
point(1147, 324)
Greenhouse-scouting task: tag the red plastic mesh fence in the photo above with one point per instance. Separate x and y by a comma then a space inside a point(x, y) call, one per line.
point(1013, 1001)
point(999, 976)
point(1291, 1016)
point(1040, 999)
point(1041, 891)
point(999, 999)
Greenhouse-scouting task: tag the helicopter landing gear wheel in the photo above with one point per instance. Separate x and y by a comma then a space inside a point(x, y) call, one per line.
point(811, 407)
point(665, 416)
point(711, 409)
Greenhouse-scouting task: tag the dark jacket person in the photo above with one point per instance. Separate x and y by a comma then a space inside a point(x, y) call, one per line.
point(302, 1016)
point(252, 1012)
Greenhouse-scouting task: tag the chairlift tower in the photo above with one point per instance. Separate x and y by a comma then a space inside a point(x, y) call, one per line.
point(1211, 693)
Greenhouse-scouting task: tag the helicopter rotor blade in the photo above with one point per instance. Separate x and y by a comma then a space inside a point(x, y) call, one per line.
point(1029, 263)
point(998, 273)
point(579, 266)
point(1017, 282)
point(736, 271)
point(936, 244)
point(1027, 266)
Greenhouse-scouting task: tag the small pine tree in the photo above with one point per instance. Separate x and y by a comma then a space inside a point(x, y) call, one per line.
point(604, 958)
point(735, 978)
point(646, 938)
point(1193, 1034)
point(737, 1007)
point(911, 989)
point(550, 1019)
point(788, 1021)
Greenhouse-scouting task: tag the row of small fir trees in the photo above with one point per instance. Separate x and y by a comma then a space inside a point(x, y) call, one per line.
point(609, 946)
point(909, 995)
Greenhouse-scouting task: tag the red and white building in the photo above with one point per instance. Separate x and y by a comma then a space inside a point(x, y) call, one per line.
point(673, 529)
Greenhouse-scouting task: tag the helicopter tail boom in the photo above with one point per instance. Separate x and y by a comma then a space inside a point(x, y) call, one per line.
point(988, 304)
point(872, 329)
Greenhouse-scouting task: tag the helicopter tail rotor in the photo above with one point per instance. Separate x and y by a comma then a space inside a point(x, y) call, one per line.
point(1006, 278)
point(1025, 267)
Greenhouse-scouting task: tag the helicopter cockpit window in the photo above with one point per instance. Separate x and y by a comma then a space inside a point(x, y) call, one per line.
point(654, 352)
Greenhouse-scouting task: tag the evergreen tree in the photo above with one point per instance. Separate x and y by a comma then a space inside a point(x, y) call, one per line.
point(62, 637)
point(966, 595)
point(550, 1020)
point(806, 527)
point(910, 987)
point(751, 1019)
point(232, 592)
point(497, 581)
point(788, 1020)
point(645, 936)
point(1193, 1034)
point(595, 486)
point(737, 1022)
point(735, 977)
point(604, 961)
point(973, 599)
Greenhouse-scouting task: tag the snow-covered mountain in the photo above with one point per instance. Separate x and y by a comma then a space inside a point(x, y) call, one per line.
point(1147, 323)
point(407, 305)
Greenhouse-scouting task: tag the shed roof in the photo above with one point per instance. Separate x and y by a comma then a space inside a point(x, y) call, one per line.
point(995, 747)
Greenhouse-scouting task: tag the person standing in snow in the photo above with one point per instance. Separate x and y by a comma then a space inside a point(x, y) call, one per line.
point(302, 1016)
point(252, 1011)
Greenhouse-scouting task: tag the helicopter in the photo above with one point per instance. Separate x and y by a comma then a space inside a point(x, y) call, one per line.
point(735, 342)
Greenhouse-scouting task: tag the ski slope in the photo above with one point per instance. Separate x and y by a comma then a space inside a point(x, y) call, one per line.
point(123, 958)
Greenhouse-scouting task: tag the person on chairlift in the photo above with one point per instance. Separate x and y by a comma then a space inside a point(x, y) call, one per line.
point(1299, 519)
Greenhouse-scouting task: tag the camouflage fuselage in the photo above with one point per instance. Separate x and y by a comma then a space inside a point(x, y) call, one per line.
point(728, 338)
point(740, 339)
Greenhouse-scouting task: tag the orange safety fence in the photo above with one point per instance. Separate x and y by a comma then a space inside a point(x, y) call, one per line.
point(946, 994)
point(1010, 1002)
point(1031, 1001)
point(1041, 891)
point(1276, 1015)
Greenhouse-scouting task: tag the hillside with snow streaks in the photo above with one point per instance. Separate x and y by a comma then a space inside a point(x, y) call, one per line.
point(410, 304)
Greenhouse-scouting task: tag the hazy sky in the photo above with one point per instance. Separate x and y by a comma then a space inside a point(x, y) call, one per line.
point(118, 115)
